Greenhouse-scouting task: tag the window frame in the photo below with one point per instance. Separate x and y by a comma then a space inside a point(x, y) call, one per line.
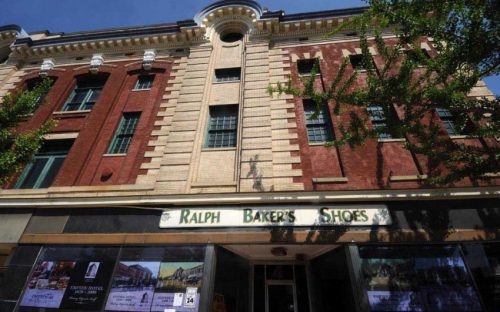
point(227, 77)
point(379, 120)
point(449, 121)
point(50, 157)
point(305, 64)
point(115, 147)
point(325, 124)
point(89, 91)
point(357, 62)
point(231, 133)
point(149, 82)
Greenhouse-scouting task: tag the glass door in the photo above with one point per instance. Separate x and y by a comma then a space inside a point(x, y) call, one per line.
point(281, 296)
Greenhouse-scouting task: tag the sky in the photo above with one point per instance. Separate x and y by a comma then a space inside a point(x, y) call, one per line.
point(84, 15)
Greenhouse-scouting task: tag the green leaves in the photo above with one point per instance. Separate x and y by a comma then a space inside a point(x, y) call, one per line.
point(463, 38)
point(17, 149)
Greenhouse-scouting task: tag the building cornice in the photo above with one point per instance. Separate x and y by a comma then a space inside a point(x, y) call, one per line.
point(78, 197)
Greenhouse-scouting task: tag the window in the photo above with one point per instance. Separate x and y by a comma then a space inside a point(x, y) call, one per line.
point(413, 56)
point(222, 126)
point(227, 74)
point(383, 124)
point(450, 122)
point(305, 67)
point(33, 83)
point(231, 37)
point(124, 133)
point(144, 82)
point(317, 123)
point(40, 173)
point(357, 62)
point(84, 96)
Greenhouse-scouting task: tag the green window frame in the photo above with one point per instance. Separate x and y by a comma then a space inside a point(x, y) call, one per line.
point(222, 126)
point(42, 170)
point(124, 134)
point(318, 123)
point(144, 82)
point(84, 96)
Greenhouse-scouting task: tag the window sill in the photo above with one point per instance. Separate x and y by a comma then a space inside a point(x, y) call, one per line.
point(137, 90)
point(330, 180)
point(217, 149)
point(114, 155)
point(391, 140)
point(230, 81)
point(409, 178)
point(318, 143)
point(308, 75)
point(214, 184)
point(75, 112)
point(462, 136)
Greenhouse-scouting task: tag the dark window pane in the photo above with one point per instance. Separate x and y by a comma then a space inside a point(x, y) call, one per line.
point(317, 123)
point(305, 67)
point(124, 133)
point(52, 171)
point(144, 82)
point(227, 74)
point(222, 127)
point(33, 173)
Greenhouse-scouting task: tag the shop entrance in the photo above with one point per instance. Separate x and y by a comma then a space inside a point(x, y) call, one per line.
point(281, 297)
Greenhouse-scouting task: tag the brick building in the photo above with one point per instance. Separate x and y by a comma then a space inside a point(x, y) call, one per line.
point(169, 152)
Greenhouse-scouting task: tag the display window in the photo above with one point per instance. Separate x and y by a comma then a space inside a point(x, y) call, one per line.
point(115, 279)
point(429, 278)
point(69, 279)
point(157, 279)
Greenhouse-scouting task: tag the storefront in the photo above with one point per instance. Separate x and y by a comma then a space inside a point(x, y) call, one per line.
point(398, 256)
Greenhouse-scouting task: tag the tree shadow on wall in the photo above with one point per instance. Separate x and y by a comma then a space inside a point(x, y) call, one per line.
point(256, 175)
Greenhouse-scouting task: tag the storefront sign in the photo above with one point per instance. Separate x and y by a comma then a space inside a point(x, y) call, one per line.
point(366, 215)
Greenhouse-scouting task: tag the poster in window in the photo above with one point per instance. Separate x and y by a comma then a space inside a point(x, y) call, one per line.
point(133, 286)
point(87, 285)
point(419, 284)
point(178, 287)
point(47, 284)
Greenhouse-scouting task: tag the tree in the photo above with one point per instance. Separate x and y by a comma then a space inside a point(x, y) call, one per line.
point(17, 149)
point(466, 36)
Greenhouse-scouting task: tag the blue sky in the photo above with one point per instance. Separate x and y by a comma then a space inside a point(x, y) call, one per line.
point(81, 15)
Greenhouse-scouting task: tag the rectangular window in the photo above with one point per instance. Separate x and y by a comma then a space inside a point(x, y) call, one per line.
point(41, 172)
point(84, 96)
point(414, 56)
point(144, 82)
point(317, 122)
point(416, 278)
point(222, 126)
point(305, 67)
point(357, 62)
point(450, 123)
point(124, 133)
point(228, 74)
point(383, 124)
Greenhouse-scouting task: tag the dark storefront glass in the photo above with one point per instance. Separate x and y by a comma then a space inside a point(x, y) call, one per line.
point(231, 282)
point(69, 279)
point(484, 263)
point(157, 279)
point(430, 278)
point(114, 279)
point(331, 288)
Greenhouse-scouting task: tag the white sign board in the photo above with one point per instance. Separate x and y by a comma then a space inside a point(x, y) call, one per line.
point(351, 215)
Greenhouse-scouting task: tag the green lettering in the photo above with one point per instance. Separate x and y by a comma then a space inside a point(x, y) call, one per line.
point(194, 218)
point(247, 215)
point(364, 216)
point(280, 218)
point(291, 216)
point(184, 216)
point(336, 214)
point(347, 216)
point(273, 216)
point(216, 217)
point(325, 217)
